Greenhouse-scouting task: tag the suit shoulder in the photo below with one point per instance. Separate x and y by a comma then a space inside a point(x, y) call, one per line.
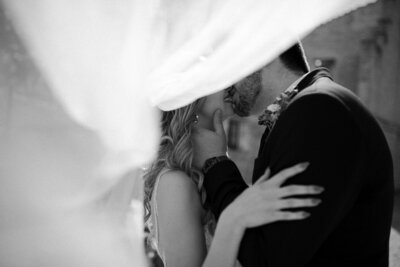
point(322, 113)
point(320, 103)
point(330, 93)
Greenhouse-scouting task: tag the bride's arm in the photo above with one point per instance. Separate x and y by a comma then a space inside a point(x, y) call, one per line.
point(263, 203)
point(181, 234)
point(225, 244)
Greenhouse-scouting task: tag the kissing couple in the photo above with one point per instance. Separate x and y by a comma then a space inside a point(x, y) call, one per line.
point(322, 187)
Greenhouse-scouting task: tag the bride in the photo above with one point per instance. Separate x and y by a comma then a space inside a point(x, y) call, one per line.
point(182, 228)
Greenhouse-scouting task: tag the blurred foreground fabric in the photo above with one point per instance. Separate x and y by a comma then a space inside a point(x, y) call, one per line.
point(70, 188)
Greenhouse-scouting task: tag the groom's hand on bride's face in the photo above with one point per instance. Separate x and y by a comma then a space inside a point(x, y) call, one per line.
point(209, 143)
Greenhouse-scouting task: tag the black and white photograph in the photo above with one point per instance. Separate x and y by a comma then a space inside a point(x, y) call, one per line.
point(200, 133)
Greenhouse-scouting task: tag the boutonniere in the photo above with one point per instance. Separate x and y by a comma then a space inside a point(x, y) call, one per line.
point(271, 114)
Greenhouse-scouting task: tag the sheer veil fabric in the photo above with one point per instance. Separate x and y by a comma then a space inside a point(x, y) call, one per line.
point(112, 65)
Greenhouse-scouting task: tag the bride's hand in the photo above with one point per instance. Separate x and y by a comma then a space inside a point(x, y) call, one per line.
point(265, 201)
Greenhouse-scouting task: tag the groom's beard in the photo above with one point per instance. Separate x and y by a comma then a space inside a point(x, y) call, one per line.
point(242, 101)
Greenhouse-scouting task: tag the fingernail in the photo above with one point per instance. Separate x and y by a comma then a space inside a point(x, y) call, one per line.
point(305, 214)
point(304, 165)
point(319, 189)
point(316, 201)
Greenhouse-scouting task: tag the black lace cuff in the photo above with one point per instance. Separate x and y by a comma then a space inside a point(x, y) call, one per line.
point(212, 161)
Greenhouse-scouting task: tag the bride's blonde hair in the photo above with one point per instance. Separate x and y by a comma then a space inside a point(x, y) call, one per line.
point(175, 151)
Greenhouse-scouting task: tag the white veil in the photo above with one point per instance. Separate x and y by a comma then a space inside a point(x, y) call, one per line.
point(110, 64)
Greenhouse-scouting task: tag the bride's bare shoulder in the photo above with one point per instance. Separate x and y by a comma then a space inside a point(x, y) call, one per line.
point(177, 190)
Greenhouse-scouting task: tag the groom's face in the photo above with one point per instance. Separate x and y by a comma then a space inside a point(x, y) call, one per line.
point(244, 94)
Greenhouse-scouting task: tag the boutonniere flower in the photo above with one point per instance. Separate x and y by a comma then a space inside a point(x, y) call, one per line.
point(271, 114)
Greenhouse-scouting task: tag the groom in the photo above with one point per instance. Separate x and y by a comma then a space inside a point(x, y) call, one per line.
point(315, 121)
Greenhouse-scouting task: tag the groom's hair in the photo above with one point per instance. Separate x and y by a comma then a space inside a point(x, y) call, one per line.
point(295, 60)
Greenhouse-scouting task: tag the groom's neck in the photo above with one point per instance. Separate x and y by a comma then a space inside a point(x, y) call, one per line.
point(282, 81)
point(288, 79)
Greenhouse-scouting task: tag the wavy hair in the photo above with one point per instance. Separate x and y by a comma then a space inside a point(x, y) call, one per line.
point(175, 152)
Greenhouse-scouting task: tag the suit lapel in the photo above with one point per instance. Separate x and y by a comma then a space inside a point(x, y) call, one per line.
point(261, 162)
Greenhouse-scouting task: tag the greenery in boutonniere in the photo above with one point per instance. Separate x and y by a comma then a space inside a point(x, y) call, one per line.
point(271, 114)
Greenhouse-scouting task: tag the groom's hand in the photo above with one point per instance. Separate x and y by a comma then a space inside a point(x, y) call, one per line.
point(209, 143)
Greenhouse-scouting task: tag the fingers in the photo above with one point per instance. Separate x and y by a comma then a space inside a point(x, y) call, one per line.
point(297, 203)
point(281, 177)
point(217, 121)
point(296, 190)
point(264, 177)
point(288, 216)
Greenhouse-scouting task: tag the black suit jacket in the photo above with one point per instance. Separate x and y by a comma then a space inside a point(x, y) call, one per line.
point(327, 126)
